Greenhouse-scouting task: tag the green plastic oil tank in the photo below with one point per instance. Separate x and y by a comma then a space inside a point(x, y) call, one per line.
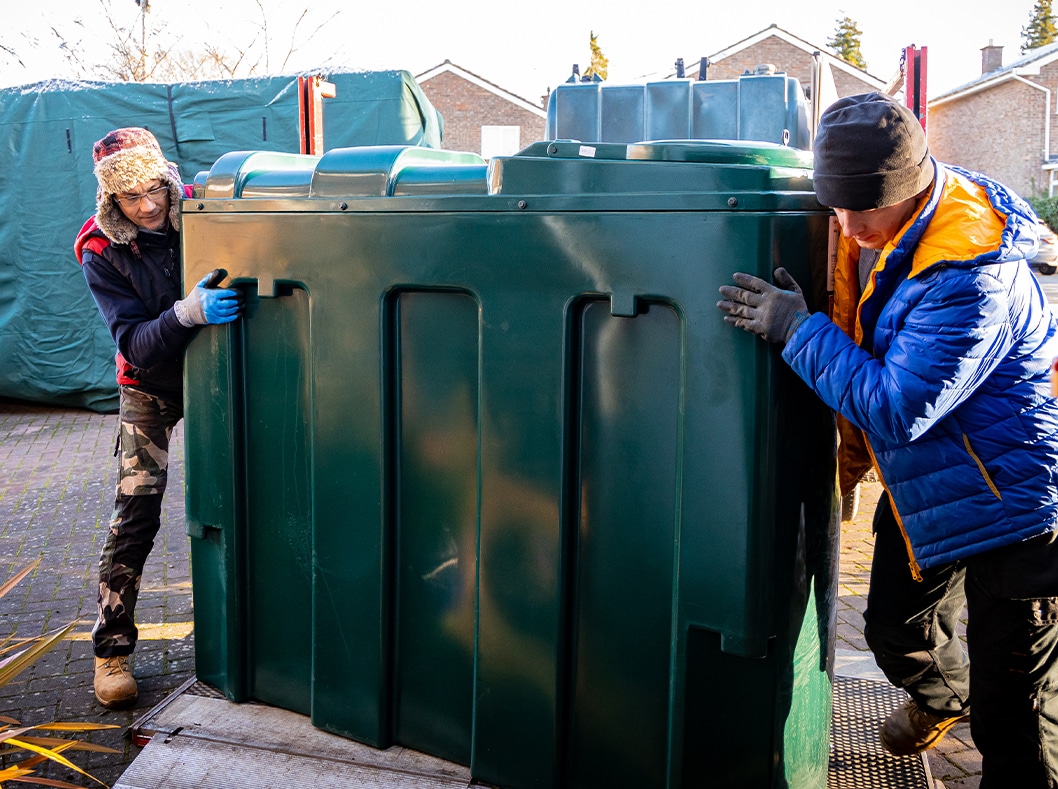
point(482, 471)
point(764, 107)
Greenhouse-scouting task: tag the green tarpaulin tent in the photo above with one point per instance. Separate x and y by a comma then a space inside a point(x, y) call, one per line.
point(54, 347)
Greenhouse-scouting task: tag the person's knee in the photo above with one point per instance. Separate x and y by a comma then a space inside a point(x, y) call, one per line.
point(894, 637)
point(136, 523)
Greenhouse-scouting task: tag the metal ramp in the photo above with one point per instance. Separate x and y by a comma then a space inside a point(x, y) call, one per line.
point(201, 741)
point(196, 739)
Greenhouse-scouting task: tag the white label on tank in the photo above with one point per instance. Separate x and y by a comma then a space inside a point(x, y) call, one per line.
point(587, 150)
point(833, 237)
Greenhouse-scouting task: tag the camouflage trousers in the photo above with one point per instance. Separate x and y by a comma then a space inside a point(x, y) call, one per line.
point(145, 426)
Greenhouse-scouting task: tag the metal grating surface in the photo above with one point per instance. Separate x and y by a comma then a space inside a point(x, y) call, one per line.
point(857, 759)
point(200, 688)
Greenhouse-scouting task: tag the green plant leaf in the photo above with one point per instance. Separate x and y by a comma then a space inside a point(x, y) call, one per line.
point(26, 652)
point(73, 726)
point(12, 666)
point(54, 755)
point(13, 644)
point(74, 745)
point(13, 773)
point(49, 782)
point(29, 761)
point(7, 735)
point(12, 582)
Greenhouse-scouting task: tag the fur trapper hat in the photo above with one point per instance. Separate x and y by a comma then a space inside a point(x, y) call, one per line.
point(125, 159)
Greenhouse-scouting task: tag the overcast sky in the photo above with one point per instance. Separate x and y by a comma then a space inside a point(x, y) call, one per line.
point(523, 47)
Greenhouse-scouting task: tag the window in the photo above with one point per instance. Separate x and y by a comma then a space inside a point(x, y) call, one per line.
point(500, 140)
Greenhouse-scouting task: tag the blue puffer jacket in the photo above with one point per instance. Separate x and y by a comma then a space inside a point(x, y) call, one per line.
point(949, 380)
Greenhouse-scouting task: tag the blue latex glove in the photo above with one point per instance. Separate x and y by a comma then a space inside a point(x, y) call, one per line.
point(205, 304)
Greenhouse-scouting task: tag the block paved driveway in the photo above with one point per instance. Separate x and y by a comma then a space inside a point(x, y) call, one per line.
point(57, 477)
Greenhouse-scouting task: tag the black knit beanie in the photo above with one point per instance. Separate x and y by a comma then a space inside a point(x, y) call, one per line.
point(870, 152)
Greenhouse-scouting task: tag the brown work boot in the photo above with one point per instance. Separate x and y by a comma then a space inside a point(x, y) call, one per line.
point(910, 730)
point(114, 686)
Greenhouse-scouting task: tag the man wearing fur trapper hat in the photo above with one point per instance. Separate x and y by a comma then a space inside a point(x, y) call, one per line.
point(130, 254)
point(937, 356)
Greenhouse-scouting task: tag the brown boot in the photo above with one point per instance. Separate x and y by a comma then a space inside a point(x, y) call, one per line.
point(114, 686)
point(911, 730)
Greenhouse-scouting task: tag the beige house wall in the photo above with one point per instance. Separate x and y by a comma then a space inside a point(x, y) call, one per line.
point(794, 60)
point(999, 131)
point(466, 107)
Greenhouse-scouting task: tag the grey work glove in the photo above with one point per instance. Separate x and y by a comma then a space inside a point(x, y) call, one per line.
point(757, 306)
point(207, 304)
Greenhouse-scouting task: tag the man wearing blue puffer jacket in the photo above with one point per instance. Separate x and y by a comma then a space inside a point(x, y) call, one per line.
point(937, 360)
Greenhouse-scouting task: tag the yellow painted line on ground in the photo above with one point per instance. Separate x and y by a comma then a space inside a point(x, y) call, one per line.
point(180, 586)
point(165, 631)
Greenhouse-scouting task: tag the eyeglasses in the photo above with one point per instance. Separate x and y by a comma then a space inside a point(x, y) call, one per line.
point(154, 195)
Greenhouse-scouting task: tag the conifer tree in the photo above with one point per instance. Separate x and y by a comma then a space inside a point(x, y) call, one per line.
point(1041, 29)
point(846, 42)
point(600, 64)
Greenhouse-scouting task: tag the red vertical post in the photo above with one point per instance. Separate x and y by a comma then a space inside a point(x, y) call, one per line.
point(311, 93)
point(303, 103)
point(915, 82)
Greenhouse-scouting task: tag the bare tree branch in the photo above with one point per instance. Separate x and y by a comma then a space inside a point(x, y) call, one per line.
point(292, 49)
point(13, 54)
point(70, 53)
point(138, 48)
point(264, 29)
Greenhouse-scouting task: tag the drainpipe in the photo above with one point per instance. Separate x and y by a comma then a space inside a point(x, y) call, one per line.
point(1046, 127)
point(817, 85)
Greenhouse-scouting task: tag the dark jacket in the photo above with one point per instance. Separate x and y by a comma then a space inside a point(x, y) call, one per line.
point(135, 286)
point(947, 372)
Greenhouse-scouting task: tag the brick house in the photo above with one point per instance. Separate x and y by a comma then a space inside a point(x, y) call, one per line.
point(811, 65)
point(480, 116)
point(1000, 123)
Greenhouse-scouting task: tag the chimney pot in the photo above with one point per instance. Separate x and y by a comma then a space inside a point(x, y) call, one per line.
point(991, 58)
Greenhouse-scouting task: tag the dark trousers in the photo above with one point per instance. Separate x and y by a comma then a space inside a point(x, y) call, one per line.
point(145, 426)
point(1011, 678)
